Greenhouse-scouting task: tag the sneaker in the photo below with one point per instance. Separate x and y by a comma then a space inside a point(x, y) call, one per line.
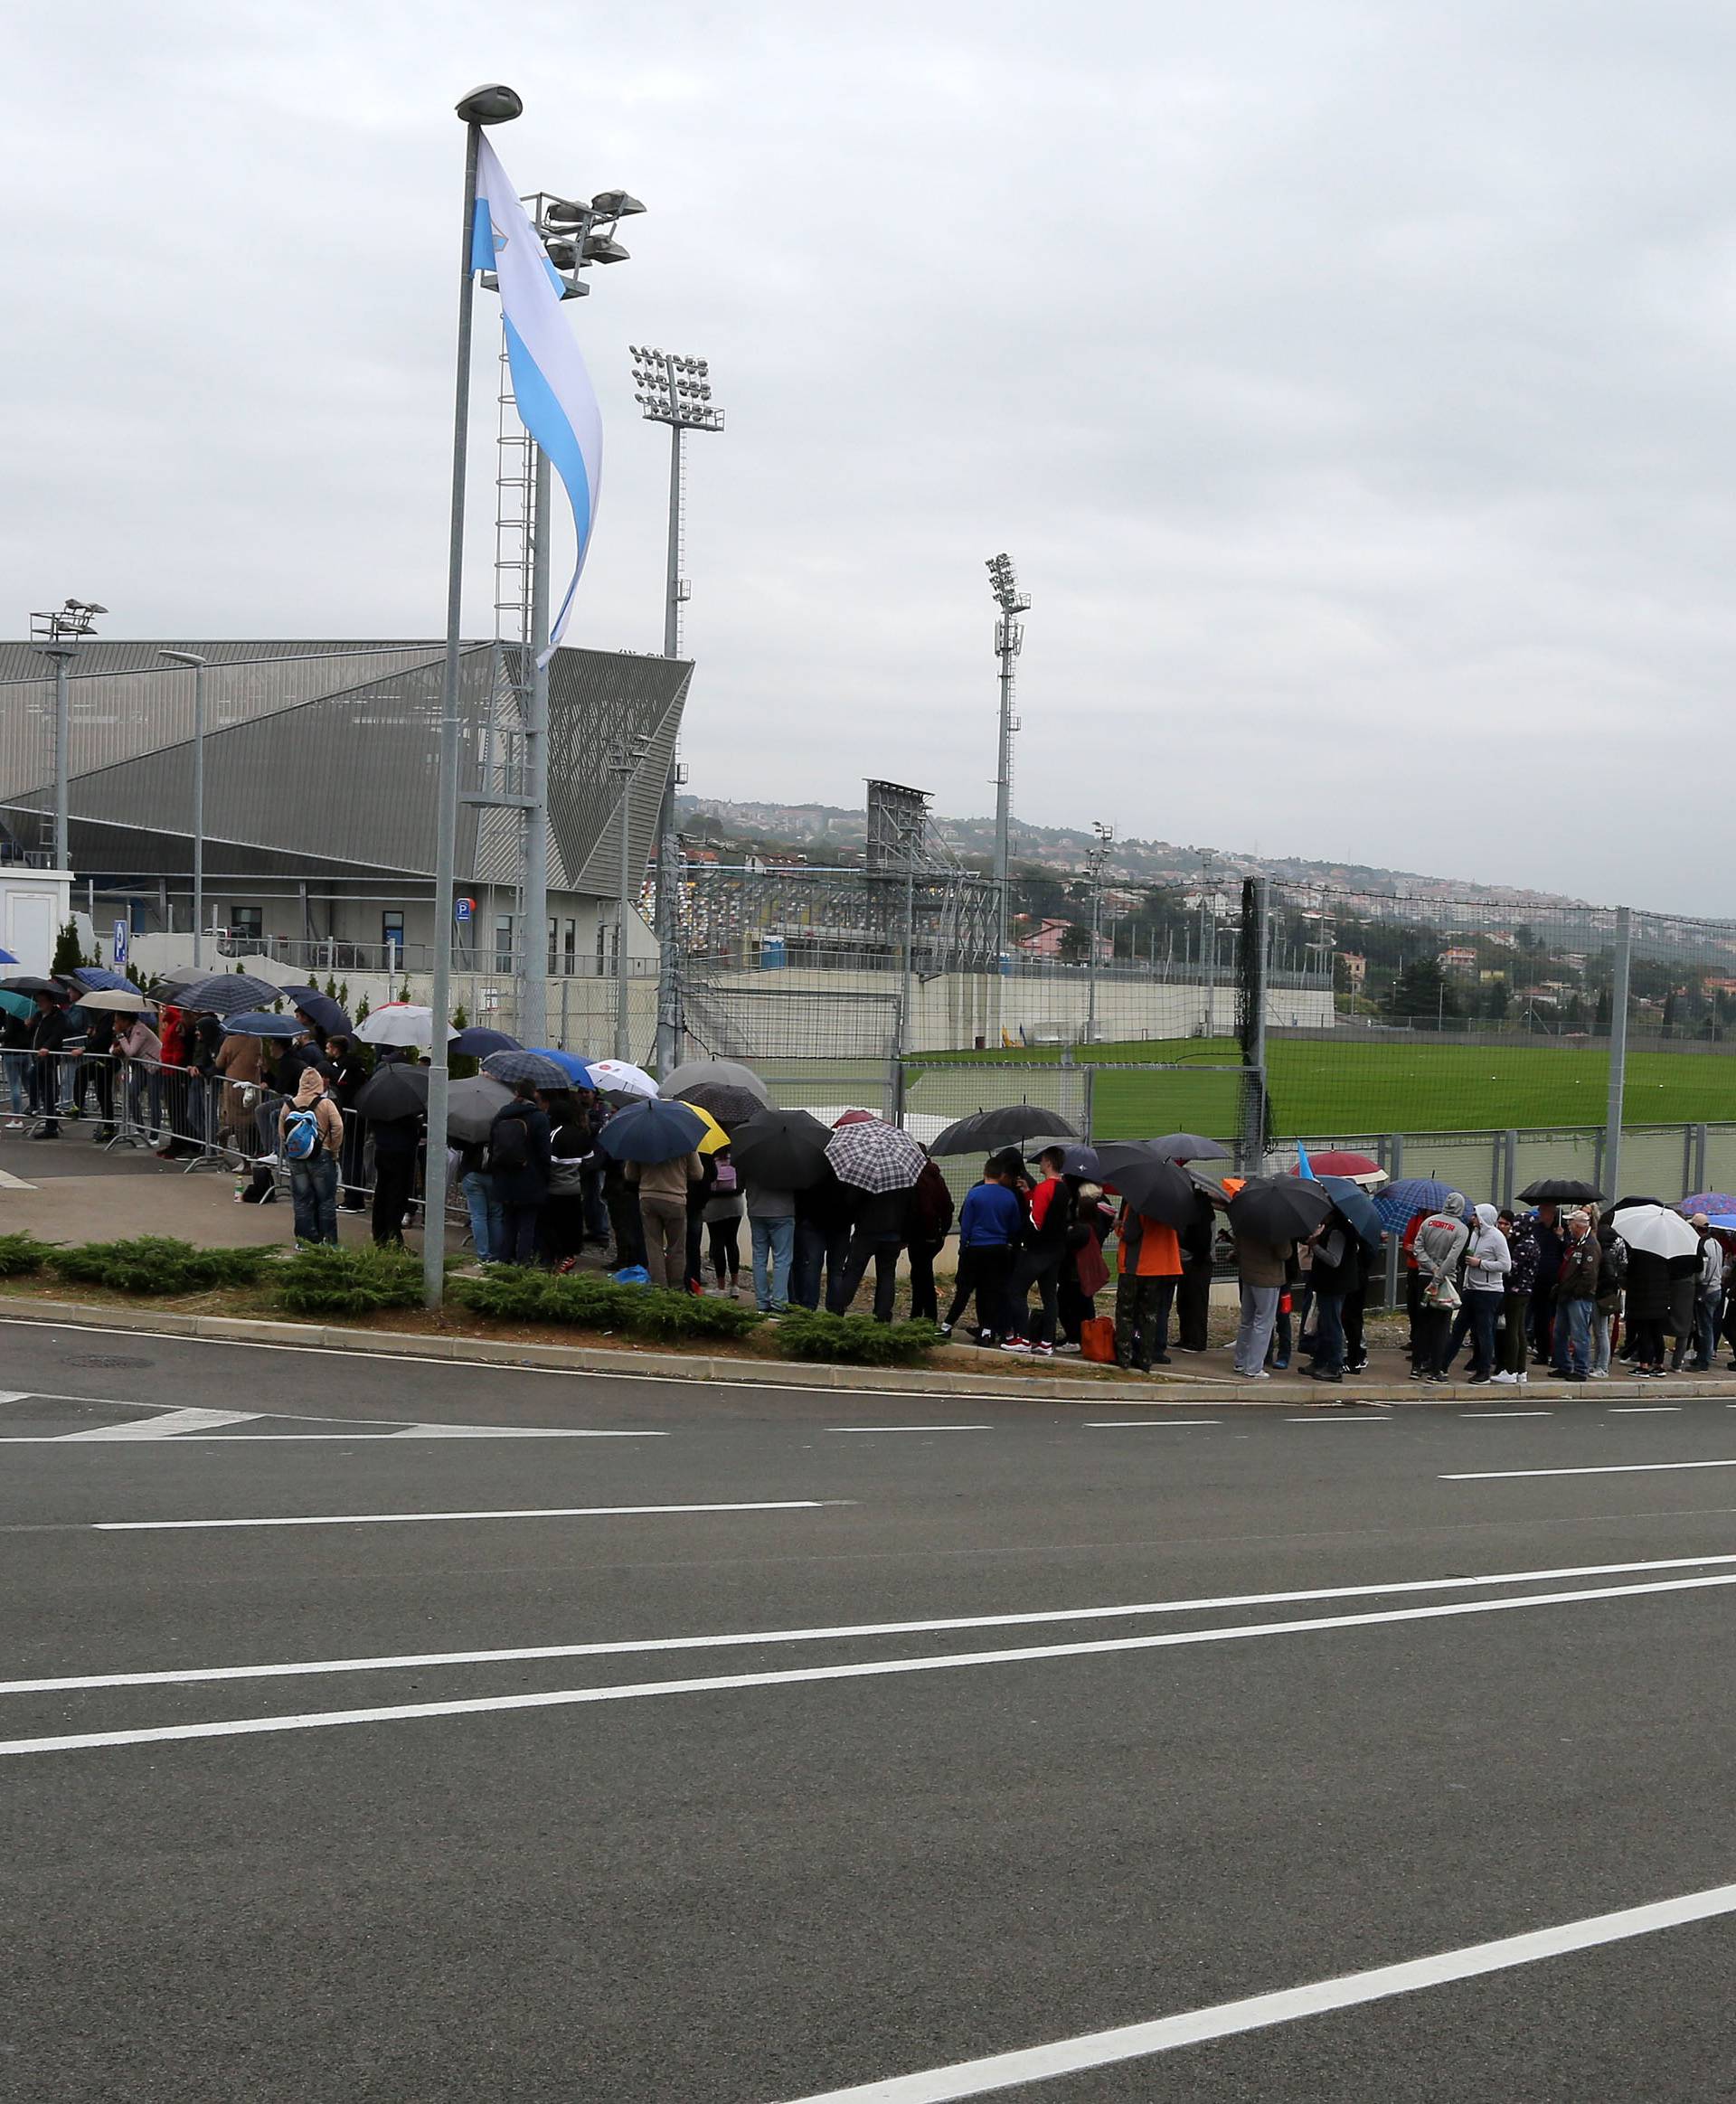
point(1043, 1351)
point(1160, 1359)
point(988, 1341)
point(1359, 1366)
point(1521, 1380)
point(1479, 1381)
point(1069, 1350)
point(1016, 1344)
point(943, 1330)
point(1261, 1375)
point(1504, 1379)
point(1280, 1365)
point(1599, 1374)
point(1417, 1374)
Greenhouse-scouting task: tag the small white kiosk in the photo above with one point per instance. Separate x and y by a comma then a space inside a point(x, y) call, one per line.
point(35, 906)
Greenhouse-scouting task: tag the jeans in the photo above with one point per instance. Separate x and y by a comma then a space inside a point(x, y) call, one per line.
point(1254, 1332)
point(665, 1220)
point(1602, 1324)
point(986, 1270)
point(487, 1216)
point(1040, 1269)
point(312, 1192)
point(1573, 1335)
point(1329, 1334)
point(819, 1256)
point(1707, 1307)
point(883, 1251)
point(1483, 1309)
point(1142, 1308)
point(773, 1244)
point(519, 1242)
point(17, 1064)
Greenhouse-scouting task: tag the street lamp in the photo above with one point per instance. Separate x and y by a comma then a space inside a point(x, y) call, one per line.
point(1094, 863)
point(490, 104)
point(198, 664)
point(624, 758)
point(1009, 640)
point(58, 635)
point(673, 390)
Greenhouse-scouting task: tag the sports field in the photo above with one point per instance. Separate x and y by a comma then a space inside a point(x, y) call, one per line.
point(1325, 1088)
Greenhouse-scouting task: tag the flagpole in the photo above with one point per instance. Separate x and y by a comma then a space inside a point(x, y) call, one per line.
point(488, 105)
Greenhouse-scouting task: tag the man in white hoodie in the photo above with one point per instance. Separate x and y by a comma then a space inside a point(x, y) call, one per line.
point(1487, 1262)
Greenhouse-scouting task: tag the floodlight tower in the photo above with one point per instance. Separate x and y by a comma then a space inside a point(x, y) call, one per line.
point(677, 391)
point(1009, 640)
point(58, 635)
point(1094, 862)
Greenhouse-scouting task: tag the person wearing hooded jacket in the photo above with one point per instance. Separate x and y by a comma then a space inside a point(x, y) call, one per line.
point(520, 1168)
point(313, 1177)
point(1441, 1242)
point(1488, 1265)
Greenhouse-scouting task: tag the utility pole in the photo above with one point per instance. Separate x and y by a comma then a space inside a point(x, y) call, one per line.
point(57, 636)
point(675, 390)
point(1099, 857)
point(1009, 640)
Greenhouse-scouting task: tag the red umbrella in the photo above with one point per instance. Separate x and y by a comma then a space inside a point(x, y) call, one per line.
point(858, 1117)
point(1340, 1161)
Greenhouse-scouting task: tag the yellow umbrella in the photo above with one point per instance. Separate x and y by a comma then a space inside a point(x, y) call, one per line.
point(714, 1135)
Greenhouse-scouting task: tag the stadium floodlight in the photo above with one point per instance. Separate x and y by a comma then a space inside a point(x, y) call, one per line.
point(615, 204)
point(664, 397)
point(1094, 862)
point(1009, 640)
point(57, 636)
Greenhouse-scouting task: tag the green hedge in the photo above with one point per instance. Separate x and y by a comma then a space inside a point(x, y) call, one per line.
point(325, 1279)
point(854, 1340)
point(21, 1254)
point(576, 1300)
point(156, 1264)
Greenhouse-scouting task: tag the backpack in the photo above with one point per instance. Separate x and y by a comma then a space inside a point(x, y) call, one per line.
point(301, 1135)
point(509, 1145)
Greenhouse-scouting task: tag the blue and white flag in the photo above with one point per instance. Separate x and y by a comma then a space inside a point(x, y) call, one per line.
point(556, 403)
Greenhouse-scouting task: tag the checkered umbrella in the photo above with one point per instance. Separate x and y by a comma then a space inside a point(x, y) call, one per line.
point(874, 1156)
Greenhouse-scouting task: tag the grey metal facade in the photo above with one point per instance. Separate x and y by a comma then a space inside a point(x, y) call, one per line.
point(320, 758)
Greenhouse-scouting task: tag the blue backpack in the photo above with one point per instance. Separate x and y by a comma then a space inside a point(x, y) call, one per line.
point(301, 1135)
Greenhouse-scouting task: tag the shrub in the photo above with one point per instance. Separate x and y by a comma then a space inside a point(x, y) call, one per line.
point(328, 1280)
point(156, 1264)
point(854, 1340)
point(583, 1301)
point(21, 1254)
point(663, 1316)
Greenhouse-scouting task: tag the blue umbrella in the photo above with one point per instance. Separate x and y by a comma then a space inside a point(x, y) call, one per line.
point(262, 1025)
point(322, 1009)
point(652, 1130)
point(1410, 1194)
point(100, 981)
point(225, 993)
point(1080, 1159)
point(570, 1063)
point(18, 1005)
point(526, 1066)
point(1355, 1206)
point(7, 958)
point(476, 1042)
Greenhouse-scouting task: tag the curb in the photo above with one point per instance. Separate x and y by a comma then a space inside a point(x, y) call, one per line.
point(1173, 1392)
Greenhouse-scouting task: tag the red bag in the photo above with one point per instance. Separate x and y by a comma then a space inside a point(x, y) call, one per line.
point(1097, 1340)
point(1090, 1269)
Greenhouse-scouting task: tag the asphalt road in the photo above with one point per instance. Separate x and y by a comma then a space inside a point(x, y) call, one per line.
point(661, 1768)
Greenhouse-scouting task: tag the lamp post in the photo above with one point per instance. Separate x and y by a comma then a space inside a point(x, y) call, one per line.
point(1099, 855)
point(624, 764)
point(198, 664)
point(673, 390)
point(57, 636)
point(491, 104)
point(1009, 640)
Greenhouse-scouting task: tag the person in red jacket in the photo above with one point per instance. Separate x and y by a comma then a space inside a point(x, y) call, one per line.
point(1046, 1244)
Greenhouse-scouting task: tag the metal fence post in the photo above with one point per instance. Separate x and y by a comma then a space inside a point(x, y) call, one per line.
point(1612, 1173)
point(1697, 1181)
point(1509, 1166)
point(1393, 1150)
point(1091, 1101)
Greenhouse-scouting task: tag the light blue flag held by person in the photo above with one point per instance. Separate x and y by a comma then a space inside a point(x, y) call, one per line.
point(556, 403)
point(1303, 1167)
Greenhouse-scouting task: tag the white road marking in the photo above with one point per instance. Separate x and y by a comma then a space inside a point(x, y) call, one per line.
point(717, 1684)
point(1602, 1468)
point(557, 1512)
point(910, 1428)
point(1098, 2049)
point(1324, 1419)
point(14, 1395)
point(1502, 1413)
point(748, 1639)
point(364, 1437)
point(1143, 1424)
point(1644, 1409)
point(8, 1182)
point(405, 1428)
point(170, 1425)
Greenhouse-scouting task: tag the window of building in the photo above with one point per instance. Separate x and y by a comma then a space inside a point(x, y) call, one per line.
point(391, 935)
point(602, 937)
point(503, 943)
point(553, 932)
point(247, 923)
point(570, 949)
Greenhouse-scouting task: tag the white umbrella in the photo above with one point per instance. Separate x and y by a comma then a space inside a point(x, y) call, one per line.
point(112, 997)
point(874, 1156)
point(621, 1078)
point(1656, 1228)
point(400, 1022)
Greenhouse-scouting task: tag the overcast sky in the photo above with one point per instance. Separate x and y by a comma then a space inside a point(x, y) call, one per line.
point(1351, 382)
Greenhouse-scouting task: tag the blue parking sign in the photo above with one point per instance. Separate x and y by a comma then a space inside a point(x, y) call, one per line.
point(122, 933)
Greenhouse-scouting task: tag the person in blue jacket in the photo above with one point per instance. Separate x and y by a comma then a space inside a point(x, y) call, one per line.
point(990, 1223)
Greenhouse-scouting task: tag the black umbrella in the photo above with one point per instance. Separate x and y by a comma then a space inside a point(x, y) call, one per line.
point(321, 1009)
point(1278, 1209)
point(984, 1130)
point(1152, 1186)
point(395, 1090)
point(26, 983)
point(472, 1105)
point(722, 1073)
point(730, 1105)
point(227, 993)
point(1080, 1158)
point(784, 1150)
point(1188, 1147)
point(296, 994)
point(476, 1041)
point(650, 1130)
point(1562, 1189)
point(1356, 1208)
